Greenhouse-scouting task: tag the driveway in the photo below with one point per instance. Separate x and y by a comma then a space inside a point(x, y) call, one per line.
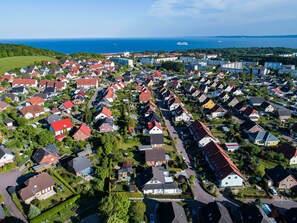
point(10, 179)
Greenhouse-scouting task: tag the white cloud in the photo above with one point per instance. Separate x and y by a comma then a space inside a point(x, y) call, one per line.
point(225, 11)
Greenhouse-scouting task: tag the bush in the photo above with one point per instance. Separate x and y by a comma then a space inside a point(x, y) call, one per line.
point(58, 176)
point(54, 210)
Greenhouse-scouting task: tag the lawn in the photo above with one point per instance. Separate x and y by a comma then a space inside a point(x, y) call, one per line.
point(10, 63)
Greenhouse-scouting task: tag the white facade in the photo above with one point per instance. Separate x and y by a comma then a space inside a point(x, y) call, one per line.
point(218, 114)
point(7, 158)
point(292, 161)
point(174, 106)
point(182, 118)
point(155, 130)
point(204, 141)
point(232, 180)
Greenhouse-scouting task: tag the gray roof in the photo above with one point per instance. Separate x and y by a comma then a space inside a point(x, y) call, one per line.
point(85, 152)
point(53, 118)
point(214, 212)
point(257, 100)
point(152, 173)
point(171, 212)
point(263, 136)
point(41, 153)
point(283, 112)
point(157, 139)
point(155, 155)
point(79, 164)
point(4, 150)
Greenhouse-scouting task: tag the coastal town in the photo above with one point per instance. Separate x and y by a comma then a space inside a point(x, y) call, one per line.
point(151, 137)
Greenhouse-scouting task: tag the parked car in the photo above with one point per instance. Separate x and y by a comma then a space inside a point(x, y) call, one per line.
point(272, 191)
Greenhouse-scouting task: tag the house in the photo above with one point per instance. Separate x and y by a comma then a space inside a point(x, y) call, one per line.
point(232, 146)
point(175, 84)
point(156, 181)
point(217, 112)
point(256, 101)
point(251, 213)
point(155, 157)
point(19, 90)
point(251, 113)
point(231, 102)
point(80, 166)
point(106, 125)
point(293, 130)
point(12, 97)
point(157, 140)
point(283, 114)
point(53, 118)
point(126, 173)
point(8, 123)
point(266, 107)
point(214, 212)
point(35, 101)
point(155, 128)
point(171, 212)
point(66, 106)
point(228, 175)
point(39, 187)
point(263, 138)
point(61, 127)
point(56, 85)
point(289, 151)
point(103, 113)
point(180, 114)
point(144, 97)
point(6, 156)
point(173, 103)
point(201, 134)
point(250, 126)
point(47, 155)
point(24, 82)
point(280, 178)
point(152, 117)
point(3, 106)
point(83, 133)
point(87, 83)
point(208, 104)
point(201, 98)
point(224, 96)
point(32, 111)
point(236, 91)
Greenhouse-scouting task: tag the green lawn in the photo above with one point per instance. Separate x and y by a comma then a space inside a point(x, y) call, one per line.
point(10, 63)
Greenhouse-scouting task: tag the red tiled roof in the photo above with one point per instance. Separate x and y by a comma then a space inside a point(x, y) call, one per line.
point(62, 124)
point(19, 81)
point(157, 74)
point(153, 124)
point(33, 109)
point(144, 96)
point(106, 112)
point(85, 129)
point(35, 100)
point(68, 104)
point(84, 81)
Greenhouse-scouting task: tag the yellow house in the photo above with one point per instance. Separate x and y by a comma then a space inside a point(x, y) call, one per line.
point(209, 104)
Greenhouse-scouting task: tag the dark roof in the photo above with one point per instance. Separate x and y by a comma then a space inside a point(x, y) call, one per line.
point(251, 213)
point(171, 212)
point(4, 150)
point(214, 212)
point(42, 95)
point(19, 89)
point(153, 117)
point(248, 124)
point(152, 173)
point(264, 105)
point(294, 127)
point(291, 215)
point(107, 120)
point(155, 155)
point(53, 118)
point(257, 100)
point(79, 164)
point(156, 139)
point(283, 112)
point(11, 96)
point(288, 150)
point(48, 90)
point(278, 173)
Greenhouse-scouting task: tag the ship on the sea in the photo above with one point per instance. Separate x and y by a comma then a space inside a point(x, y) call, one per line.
point(182, 43)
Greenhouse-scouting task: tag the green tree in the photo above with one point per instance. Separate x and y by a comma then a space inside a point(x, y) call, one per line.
point(46, 138)
point(260, 170)
point(21, 121)
point(88, 116)
point(7, 100)
point(33, 212)
point(115, 204)
point(136, 211)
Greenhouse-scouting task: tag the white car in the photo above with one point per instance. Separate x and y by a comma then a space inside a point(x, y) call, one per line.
point(272, 191)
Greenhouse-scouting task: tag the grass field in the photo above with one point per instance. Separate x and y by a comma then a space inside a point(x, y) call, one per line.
point(9, 63)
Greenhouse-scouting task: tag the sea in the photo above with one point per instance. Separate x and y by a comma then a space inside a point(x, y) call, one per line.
point(116, 45)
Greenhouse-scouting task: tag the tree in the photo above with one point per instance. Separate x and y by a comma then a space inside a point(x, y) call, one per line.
point(136, 211)
point(88, 115)
point(33, 212)
point(7, 100)
point(115, 205)
point(46, 138)
point(260, 170)
point(21, 121)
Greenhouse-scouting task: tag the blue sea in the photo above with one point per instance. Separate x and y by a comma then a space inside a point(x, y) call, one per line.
point(115, 45)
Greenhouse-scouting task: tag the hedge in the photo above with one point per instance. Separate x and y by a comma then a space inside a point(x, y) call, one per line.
point(64, 182)
point(18, 203)
point(7, 167)
point(43, 216)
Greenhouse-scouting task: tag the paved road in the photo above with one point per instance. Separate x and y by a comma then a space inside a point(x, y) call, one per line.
point(9, 179)
point(94, 97)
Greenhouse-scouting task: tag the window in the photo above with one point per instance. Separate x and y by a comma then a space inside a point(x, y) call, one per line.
point(226, 183)
point(229, 177)
point(235, 177)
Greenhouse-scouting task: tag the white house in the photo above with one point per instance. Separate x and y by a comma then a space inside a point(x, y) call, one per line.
point(6, 156)
point(230, 180)
point(155, 128)
point(173, 103)
point(157, 181)
point(180, 115)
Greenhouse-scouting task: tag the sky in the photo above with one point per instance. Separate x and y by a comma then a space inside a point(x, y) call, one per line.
point(21, 19)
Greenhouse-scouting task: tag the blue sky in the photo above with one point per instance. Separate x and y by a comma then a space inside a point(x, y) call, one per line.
point(145, 18)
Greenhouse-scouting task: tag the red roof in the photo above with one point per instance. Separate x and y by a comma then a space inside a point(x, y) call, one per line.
point(85, 129)
point(144, 96)
point(153, 124)
point(106, 112)
point(157, 74)
point(19, 81)
point(60, 137)
point(68, 104)
point(62, 124)
point(35, 100)
point(87, 82)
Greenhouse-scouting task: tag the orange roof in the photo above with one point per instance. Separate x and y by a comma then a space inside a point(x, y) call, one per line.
point(106, 112)
point(20, 81)
point(83, 81)
point(35, 100)
point(68, 104)
point(85, 129)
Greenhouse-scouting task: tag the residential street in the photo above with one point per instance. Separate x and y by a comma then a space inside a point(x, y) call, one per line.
point(9, 179)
